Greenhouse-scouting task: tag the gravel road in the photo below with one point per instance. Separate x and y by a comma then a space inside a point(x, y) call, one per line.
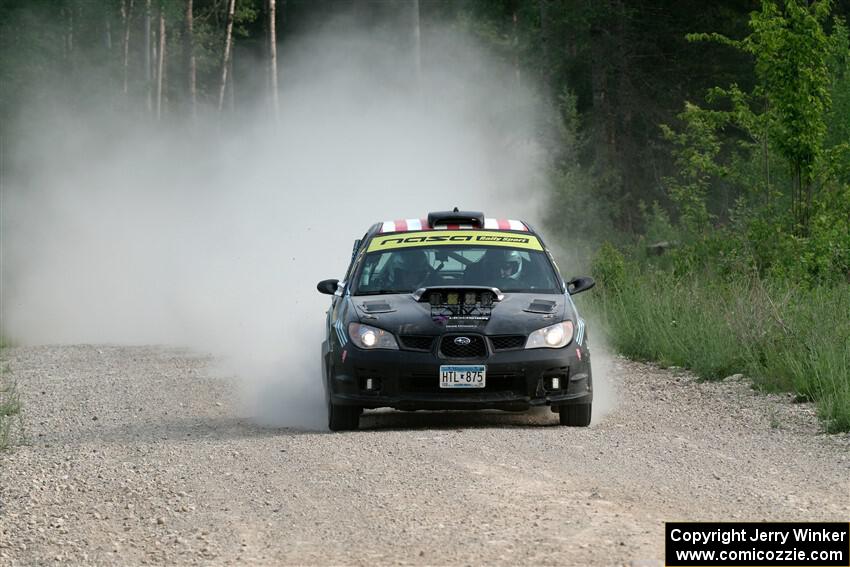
point(141, 456)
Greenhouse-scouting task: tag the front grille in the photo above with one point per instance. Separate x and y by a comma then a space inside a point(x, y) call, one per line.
point(475, 349)
point(416, 342)
point(508, 342)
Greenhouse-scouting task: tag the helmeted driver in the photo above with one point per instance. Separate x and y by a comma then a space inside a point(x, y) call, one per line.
point(502, 264)
point(410, 269)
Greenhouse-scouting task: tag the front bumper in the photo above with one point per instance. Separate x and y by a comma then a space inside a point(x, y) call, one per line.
point(409, 380)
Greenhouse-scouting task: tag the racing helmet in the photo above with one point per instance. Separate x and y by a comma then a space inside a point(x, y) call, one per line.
point(512, 264)
point(505, 263)
point(410, 267)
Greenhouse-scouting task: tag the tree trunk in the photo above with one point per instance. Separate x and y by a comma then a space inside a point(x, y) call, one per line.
point(189, 53)
point(127, 15)
point(625, 93)
point(515, 47)
point(70, 35)
point(160, 64)
point(602, 72)
point(107, 37)
point(765, 150)
point(273, 58)
point(417, 42)
point(148, 62)
point(64, 39)
point(628, 150)
point(802, 193)
point(543, 5)
point(228, 43)
point(599, 88)
point(231, 89)
point(796, 193)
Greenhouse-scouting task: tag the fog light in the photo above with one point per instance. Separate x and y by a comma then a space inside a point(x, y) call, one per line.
point(368, 383)
point(556, 383)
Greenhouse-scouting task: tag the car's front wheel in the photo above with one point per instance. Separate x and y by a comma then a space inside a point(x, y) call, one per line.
point(575, 415)
point(343, 418)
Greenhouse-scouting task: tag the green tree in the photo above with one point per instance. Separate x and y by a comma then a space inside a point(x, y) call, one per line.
point(791, 49)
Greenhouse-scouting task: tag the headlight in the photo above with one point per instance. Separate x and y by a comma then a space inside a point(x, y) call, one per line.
point(367, 337)
point(554, 336)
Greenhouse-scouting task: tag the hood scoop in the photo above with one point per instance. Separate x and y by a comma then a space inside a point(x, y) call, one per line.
point(541, 306)
point(379, 306)
point(467, 307)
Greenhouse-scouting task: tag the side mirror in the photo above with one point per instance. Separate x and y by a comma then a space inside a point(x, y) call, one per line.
point(580, 284)
point(328, 287)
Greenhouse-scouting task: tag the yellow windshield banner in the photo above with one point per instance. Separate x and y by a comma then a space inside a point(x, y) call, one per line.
point(454, 238)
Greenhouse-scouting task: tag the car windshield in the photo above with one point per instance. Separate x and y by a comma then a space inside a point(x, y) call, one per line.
point(404, 270)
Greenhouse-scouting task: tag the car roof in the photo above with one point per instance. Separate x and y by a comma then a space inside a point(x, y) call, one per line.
point(409, 225)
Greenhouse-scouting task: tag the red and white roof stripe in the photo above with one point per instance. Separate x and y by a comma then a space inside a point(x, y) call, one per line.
point(407, 225)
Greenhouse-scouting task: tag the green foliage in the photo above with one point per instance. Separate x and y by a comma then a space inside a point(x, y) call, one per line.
point(247, 12)
point(838, 117)
point(575, 214)
point(658, 316)
point(658, 226)
point(578, 211)
point(790, 49)
point(786, 337)
point(609, 269)
point(772, 152)
point(10, 410)
point(697, 147)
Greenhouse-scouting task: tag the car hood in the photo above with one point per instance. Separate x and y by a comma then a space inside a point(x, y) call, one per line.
point(515, 314)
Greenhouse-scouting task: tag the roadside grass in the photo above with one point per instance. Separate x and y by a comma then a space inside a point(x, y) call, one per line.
point(784, 337)
point(10, 407)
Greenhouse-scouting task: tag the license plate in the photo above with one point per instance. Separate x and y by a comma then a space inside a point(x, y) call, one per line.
point(463, 376)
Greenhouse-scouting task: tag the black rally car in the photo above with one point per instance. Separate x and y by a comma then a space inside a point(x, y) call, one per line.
point(456, 311)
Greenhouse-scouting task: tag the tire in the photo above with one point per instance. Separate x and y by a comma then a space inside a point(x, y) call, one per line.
point(343, 418)
point(575, 415)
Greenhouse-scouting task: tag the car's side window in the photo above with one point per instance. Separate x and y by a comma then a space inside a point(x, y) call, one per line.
point(374, 270)
point(356, 254)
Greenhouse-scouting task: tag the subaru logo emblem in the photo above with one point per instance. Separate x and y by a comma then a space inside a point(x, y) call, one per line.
point(462, 341)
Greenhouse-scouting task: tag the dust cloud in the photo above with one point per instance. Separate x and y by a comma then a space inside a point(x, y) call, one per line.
point(606, 386)
point(212, 234)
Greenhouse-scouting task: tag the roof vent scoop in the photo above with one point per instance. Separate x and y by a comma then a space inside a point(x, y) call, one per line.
point(475, 218)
